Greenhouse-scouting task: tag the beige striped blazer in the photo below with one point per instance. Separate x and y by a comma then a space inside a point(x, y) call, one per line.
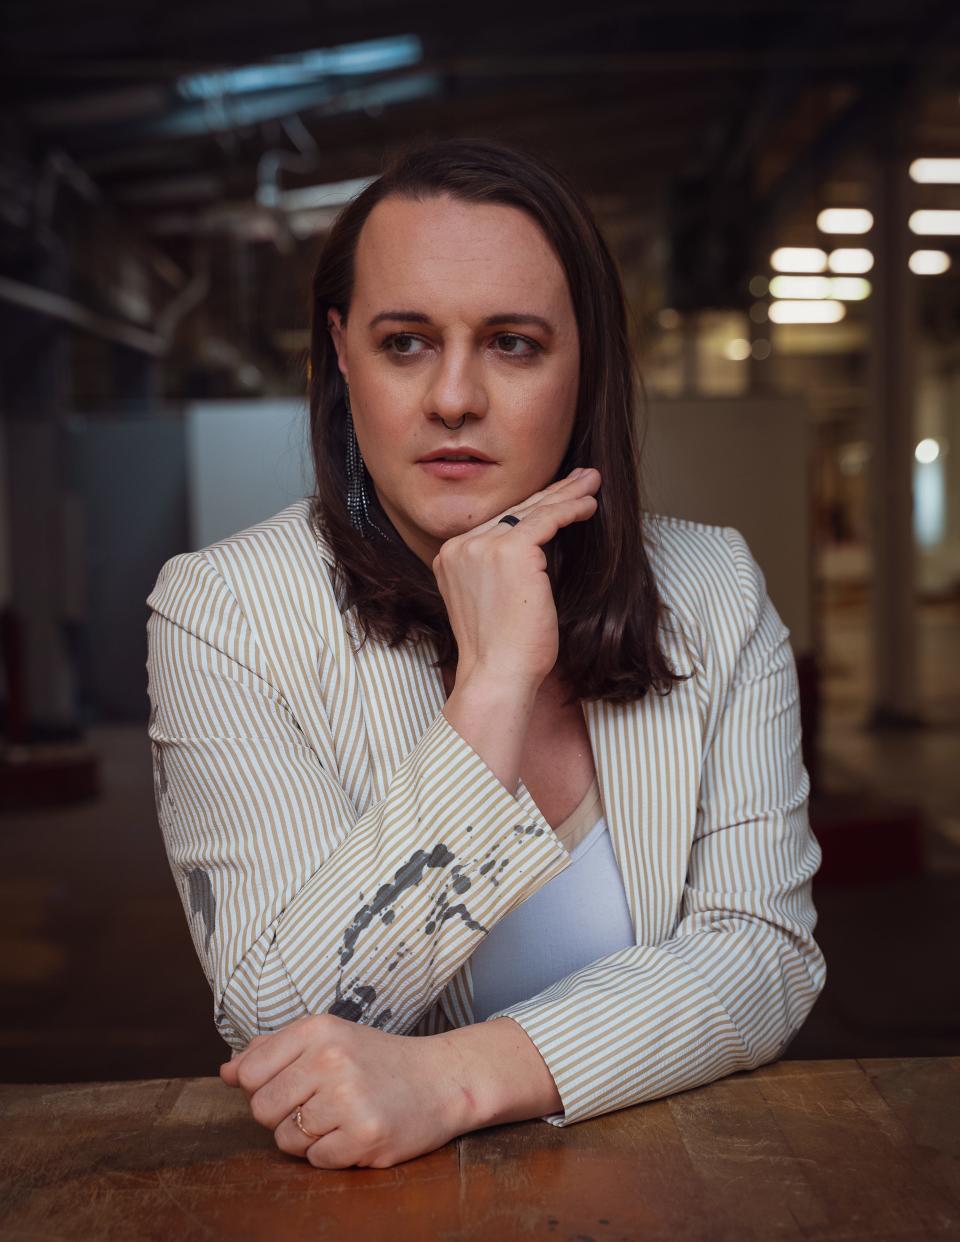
point(338, 846)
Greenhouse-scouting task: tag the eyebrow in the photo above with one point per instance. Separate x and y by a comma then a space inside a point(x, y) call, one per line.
point(406, 316)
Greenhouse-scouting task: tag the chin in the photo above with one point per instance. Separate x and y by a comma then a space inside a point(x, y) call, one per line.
point(442, 519)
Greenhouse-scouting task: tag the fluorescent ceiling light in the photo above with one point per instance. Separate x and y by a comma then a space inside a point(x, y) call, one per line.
point(311, 197)
point(326, 95)
point(936, 172)
point(807, 312)
point(850, 288)
point(798, 259)
point(845, 220)
point(943, 223)
point(850, 261)
point(845, 288)
point(929, 262)
point(800, 286)
point(349, 59)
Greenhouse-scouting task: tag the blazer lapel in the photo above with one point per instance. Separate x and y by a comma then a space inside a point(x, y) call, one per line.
point(648, 758)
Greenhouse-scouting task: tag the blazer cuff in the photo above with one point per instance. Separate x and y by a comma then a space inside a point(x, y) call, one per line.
point(447, 811)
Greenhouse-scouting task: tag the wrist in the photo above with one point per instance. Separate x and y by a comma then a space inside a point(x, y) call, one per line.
point(487, 686)
point(495, 1074)
point(494, 720)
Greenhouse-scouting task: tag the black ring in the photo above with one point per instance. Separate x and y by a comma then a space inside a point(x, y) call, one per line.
point(509, 519)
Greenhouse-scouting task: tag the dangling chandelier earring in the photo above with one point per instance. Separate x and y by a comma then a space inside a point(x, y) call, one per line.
point(358, 499)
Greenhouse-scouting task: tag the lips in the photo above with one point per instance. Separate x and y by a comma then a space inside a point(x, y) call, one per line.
point(456, 451)
point(455, 469)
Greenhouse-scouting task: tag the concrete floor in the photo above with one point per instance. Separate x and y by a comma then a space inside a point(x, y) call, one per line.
point(99, 978)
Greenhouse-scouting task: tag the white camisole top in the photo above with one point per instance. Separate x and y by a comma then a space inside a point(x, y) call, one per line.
point(575, 918)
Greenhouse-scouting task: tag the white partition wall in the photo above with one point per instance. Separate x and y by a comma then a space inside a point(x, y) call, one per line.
point(742, 462)
point(245, 461)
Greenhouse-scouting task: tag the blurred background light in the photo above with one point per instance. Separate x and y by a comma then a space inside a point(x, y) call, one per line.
point(850, 260)
point(929, 494)
point(944, 223)
point(936, 171)
point(800, 286)
point(850, 288)
point(845, 220)
point(312, 197)
point(737, 350)
point(349, 59)
point(810, 311)
point(798, 259)
point(929, 262)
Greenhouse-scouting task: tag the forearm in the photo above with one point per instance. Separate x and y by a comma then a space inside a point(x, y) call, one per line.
point(494, 719)
point(496, 1075)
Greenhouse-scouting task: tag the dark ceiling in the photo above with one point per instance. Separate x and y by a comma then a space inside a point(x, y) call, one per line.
point(630, 96)
point(686, 122)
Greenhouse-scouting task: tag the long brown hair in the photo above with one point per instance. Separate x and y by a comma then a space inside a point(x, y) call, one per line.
point(608, 606)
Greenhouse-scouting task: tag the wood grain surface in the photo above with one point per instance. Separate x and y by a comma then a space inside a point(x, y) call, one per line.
point(798, 1149)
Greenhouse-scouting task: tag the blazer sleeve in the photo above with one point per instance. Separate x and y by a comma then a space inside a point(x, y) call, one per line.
point(296, 903)
point(734, 983)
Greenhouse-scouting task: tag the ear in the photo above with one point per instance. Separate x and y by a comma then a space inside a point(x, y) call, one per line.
point(337, 330)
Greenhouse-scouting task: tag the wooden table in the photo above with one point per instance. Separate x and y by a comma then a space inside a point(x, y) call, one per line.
point(798, 1149)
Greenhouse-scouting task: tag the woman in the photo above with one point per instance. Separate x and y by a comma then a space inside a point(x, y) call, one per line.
point(481, 752)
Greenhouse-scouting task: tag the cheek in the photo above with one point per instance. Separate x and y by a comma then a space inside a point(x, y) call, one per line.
point(381, 426)
point(543, 414)
point(544, 397)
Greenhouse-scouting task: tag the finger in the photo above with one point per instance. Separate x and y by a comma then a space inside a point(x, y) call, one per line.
point(544, 522)
point(558, 487)
point(290, 1138)
point(229, 1070)
point(261, 1062)
point(553, 513)
point(523, 508)
point(228, 1073)
point(336, 1150)
point(286, 1091)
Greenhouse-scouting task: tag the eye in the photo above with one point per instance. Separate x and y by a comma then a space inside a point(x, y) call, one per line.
point(395, 338)
point(399, 344)
point(522, 340)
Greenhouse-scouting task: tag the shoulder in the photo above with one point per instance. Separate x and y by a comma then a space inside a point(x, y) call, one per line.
point(273, 570)
point(707, 576)
point(280, 548)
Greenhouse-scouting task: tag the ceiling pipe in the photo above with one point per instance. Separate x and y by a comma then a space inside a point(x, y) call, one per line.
point(59, 166)
point(56, 306)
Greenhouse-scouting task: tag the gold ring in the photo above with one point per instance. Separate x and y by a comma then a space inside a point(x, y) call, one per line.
point(298, 1118)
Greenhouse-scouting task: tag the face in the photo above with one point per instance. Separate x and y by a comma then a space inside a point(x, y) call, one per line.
point(457, 309)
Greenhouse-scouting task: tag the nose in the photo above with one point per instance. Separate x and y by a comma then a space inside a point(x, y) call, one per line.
point(455, 388)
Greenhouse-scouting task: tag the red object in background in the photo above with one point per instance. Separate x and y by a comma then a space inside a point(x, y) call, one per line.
point(864, 839)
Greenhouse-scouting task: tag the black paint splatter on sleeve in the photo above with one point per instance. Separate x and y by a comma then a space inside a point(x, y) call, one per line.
point(202, 900)
point(358, 999)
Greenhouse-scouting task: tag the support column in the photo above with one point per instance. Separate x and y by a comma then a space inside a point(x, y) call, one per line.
point(891, 433)
point(35, 362)
point(690, 353)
